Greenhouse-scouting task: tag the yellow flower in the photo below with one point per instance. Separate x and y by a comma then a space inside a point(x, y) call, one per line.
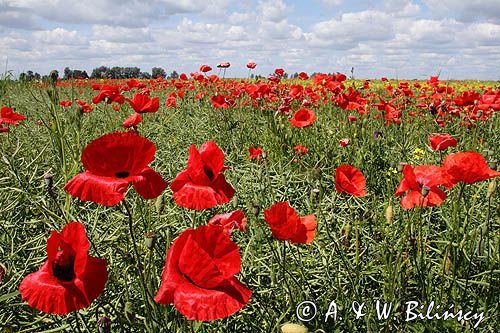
point(418, 153)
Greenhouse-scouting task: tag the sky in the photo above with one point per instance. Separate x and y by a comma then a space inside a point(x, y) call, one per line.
point(460, 39)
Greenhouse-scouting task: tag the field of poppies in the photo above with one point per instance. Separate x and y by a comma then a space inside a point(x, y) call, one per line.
point(205, 204)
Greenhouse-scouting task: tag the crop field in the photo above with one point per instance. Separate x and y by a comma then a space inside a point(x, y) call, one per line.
point(208, 204)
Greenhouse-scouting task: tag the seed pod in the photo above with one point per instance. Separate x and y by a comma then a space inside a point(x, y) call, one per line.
point(491, 188)
point(293, 328)
point(425, 191)
point(389, 214)
point(493, 164)
point(150, 239)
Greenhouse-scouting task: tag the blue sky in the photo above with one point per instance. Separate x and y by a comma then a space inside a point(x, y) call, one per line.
point(394, 38)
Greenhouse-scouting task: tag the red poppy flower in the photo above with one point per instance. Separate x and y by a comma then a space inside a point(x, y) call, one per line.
point(171, 100)
point(142, 103)
point(230, 221)
point(9, 117)
point(285, 224)
point(350, 180)
point(300, 149)
point(132, 120)
point(202, 185)
point(251, 65)
point(84, 106)
point(205, 68)
point(344, 142)
point(199, 275)
point(223, 65)
point(442, 141)
point(415, 179)
point(112, 162)
point(352, 118)
point(70, 279)
point(303, 118)
point(110, 94)
point(279, 71)
point(4, 129)
point(183, 77)
point(255, 153)
point(469, 167)
point(221, 101)
point(303, 76)
point(65, 103)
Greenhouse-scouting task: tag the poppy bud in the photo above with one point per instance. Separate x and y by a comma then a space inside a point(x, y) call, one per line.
point(401, 166)
point(7, 329)
point(256, 209)
point(491, 188)
point(104, 325)
point(293, 328)
point(159, 204)
point(2, 273)
point(389, 214)
point(493, 164)
point(150, 239)
point(345, 235)
point(315, 194)
point(235, 202)
point(264, 155)
point(129, 311)
point(447, 264)
point(49, 181)
point(425, 191)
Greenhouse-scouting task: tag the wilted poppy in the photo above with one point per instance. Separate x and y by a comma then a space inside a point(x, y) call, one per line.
point(7, 116)
point(425, 178)
point(141, 103)
point(442, 141)
point(230, 221)
point(285, 224)
point(70, 279)
point(199, 275)
point(112, 162)
point(255, 153)
point(469, 167)
point(350, 180)
point(202, 185)
point(303, 118)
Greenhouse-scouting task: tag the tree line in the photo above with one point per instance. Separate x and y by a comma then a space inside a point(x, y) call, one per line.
point(101, 72)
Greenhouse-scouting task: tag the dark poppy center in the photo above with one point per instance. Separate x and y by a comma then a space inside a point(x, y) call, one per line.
point(208, 172)
point(63, 267)
point(122, 174)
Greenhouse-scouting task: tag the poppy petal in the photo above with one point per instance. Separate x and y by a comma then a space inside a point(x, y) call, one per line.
point(102, 190)
point(149, 184)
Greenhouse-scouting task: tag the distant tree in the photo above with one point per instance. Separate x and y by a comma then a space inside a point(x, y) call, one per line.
point(37, 77)
point(68, 73)
point(173, 75)
point(100, 72)
point(29, 76)
point(22, 76)
point(158, 71)
point(295, 75)
point(54, 75)
point(144, 75)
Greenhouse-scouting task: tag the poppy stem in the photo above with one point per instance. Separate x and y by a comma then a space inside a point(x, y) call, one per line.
point(146, 293)
point(78, 329)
